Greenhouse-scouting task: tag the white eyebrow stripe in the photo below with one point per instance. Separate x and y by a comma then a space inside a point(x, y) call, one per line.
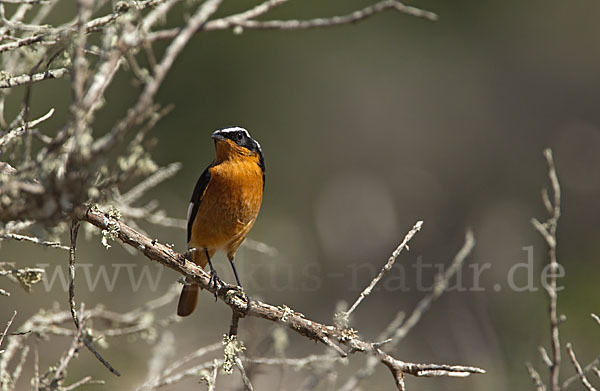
point(234, 129)
point(258, 145)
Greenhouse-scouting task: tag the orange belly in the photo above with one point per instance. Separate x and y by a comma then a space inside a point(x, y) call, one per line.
point(229, 206)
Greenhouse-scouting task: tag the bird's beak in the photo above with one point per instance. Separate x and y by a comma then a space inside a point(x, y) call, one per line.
point(218, 136)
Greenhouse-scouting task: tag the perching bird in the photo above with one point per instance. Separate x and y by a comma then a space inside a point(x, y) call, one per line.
point(224, 205)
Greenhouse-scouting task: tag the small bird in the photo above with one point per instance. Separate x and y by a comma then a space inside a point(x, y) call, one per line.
point(224, 205)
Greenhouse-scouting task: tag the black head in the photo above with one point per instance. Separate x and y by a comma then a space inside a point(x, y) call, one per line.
point(240, 137)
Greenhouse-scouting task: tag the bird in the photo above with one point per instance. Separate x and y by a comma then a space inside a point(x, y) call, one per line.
point(224, 206)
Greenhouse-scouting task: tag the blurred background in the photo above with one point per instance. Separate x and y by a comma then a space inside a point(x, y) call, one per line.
point(366, 129)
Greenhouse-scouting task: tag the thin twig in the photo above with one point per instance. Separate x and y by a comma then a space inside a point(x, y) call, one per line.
point(548, 231)
point(74, 230)
point(545, 357)
point(387, 267)
point(32, 239)
point(11, 134)
point(85, 380)
point(590, 367)
point(577, 366)
point(86, 339)
point(205, 11)
point(5, 332)
point(535, 378)
point(198, 353)
point(37, 77)
point(212, 380)
point(19, 367)
point(442, 281)
point(245, 379)
point(244, 19)
point(399, 327)
point(66, 358)
point(25, 1)
point(354, 17)
point(141, 188)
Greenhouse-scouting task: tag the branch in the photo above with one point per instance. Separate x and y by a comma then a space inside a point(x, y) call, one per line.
point(548, 231)
point(440, 285)
point(25, 1)
point(11, 134)
point(141, 321)
point(84, 334)
point(5, 332)
point(535, 378)
point(244, 306)
point(25, 79)
point(32, 239)
point(245, 20)
point(577, 366)
point(398, 328)
point(354, 17)
point(205, 11)
point(387, 267)
point(157, 177)
point(596, 318)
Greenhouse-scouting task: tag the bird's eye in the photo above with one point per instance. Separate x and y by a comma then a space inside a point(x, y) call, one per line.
point(239, 136)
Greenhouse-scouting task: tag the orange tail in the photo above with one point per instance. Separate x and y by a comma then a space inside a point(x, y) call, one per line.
point(187, 300)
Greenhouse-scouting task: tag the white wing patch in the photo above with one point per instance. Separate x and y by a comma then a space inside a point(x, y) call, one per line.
point(189, 212)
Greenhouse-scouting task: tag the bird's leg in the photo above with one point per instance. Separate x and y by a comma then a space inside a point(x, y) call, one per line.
point(215, 281)
point(237, 278)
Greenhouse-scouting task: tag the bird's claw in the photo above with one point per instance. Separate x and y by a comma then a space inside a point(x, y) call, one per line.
point(188, 254)
point(215, 282)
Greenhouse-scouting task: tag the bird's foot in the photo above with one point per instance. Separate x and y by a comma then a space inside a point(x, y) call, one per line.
point(188, 254)
point(215, 282)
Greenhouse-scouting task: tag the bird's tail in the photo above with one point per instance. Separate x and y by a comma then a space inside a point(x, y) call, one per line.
point(187, 300)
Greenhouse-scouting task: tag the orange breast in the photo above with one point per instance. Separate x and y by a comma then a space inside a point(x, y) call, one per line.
point(230, 205)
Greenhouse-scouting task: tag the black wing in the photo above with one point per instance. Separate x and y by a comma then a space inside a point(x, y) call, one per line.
point(196, 199)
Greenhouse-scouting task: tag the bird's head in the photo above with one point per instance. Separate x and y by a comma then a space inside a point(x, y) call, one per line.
point(236, 142)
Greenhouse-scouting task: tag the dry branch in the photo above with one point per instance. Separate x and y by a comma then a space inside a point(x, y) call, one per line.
point(398, 327)
point(386, 268)
point(241, 304)
point(5, 332)
point(72, 168)
point(535, 377)
point(578, 368)
point(32, 239)
point(83, 334)
point(548, 232)
point(25, 79)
